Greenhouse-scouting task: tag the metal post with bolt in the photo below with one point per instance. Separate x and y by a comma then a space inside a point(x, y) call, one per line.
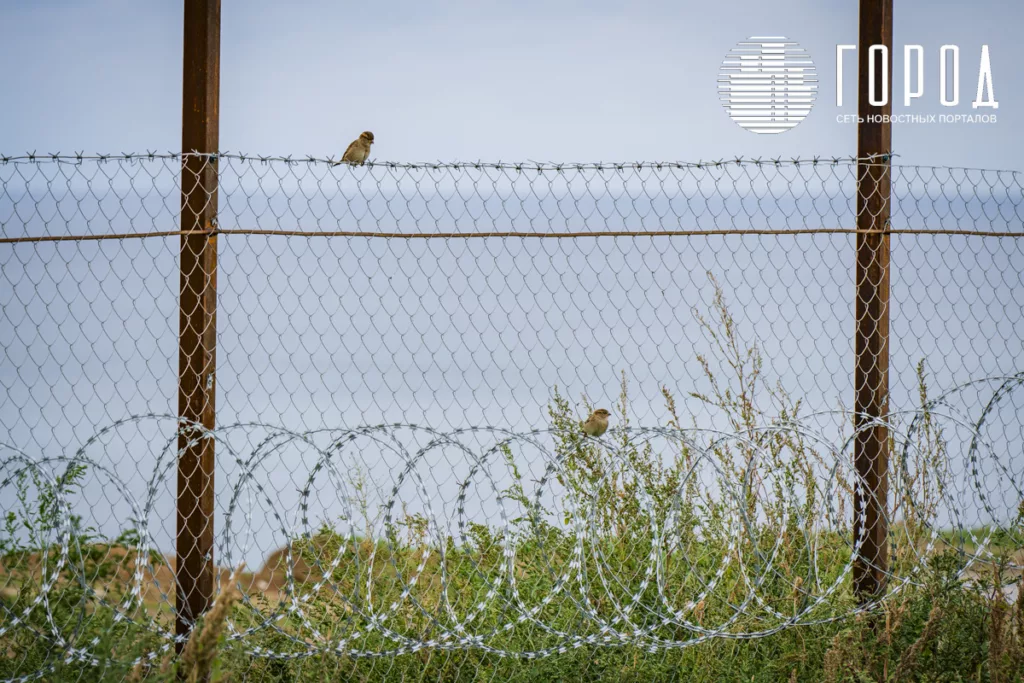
point(871, 373)
point(198, 309)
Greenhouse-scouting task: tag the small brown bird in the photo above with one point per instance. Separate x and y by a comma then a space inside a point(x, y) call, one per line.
point(359, 150)
point(597, 423)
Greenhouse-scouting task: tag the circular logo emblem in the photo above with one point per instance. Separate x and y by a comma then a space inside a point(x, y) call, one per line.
point(767, 84)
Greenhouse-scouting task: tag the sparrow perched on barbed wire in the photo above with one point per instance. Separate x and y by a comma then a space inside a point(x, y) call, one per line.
point(597, 423)
point(359, 150)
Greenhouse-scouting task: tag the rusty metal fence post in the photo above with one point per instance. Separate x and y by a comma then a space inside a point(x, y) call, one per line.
point(871, 373)
point(198, 306)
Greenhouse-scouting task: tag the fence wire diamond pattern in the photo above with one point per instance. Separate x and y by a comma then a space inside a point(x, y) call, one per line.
point(404, 353)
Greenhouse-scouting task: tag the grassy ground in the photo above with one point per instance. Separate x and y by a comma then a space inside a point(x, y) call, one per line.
point(939, 631)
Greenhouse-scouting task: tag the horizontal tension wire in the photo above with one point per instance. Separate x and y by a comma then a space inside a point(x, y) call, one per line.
point(543, 235)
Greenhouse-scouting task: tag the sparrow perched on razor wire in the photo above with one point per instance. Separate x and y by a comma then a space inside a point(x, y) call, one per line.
point(597, 423)
point(358, 151)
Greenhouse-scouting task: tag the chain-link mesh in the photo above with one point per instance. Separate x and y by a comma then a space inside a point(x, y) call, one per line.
point(404, 354)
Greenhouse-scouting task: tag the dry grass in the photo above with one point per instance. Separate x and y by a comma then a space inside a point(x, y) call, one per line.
point(200, 651)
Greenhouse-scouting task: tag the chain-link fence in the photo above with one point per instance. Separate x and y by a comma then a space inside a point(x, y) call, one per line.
point(403, 356)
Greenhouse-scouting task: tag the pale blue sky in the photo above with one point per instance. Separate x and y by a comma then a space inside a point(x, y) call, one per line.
point(343, 332)
point(546, 81)
point(566, 81)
